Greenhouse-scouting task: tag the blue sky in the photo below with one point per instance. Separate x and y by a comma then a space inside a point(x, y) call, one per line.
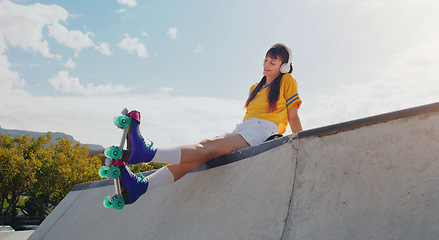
point(71, 66)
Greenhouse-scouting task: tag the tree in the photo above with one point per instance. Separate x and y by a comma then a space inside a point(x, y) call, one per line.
point(146, 167)
point(18, 166)
point(42, 171)
point(63, 165)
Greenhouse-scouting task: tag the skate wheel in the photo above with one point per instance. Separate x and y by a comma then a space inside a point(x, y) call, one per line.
point(114, 172)
point(118, 203)
point(108, 202)
point(113, 152)
point(122, 121)
point(103, 171)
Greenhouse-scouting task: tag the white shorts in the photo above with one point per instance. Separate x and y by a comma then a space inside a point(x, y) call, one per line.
point(255, 131)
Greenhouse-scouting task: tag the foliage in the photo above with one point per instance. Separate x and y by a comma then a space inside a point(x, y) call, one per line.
point(41, 170)
point(146, 167)
point(36, 174)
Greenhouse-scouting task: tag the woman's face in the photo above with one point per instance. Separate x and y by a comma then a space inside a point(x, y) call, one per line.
point(272, 67)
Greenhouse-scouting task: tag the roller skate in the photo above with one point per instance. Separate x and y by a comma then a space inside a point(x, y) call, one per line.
point(114, 172)
point(137, 151)
point(128, 186)
point(132, 186)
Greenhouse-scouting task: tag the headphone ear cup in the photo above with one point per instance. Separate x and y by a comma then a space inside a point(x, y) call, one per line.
point(284, 68)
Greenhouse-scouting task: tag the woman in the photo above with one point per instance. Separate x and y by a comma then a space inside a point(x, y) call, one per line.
point(272, 103)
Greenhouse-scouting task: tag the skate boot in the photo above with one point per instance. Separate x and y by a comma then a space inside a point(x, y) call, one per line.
point(139, 151)
point(132, 186)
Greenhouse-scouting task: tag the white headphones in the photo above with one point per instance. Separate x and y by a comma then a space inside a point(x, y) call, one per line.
point(285, 67)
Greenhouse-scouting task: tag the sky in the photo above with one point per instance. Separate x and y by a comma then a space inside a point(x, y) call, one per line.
point(187, 66)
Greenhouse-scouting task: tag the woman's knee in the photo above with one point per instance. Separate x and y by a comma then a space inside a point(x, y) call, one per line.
point(211, 148)
point(209, 141)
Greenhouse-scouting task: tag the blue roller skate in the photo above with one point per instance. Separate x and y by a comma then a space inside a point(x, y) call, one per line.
point(128, 186)
point(139, 150)
point(132, 186)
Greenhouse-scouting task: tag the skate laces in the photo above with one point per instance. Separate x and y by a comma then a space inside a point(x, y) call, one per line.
point(142, 178)
point(149, 145)
point(139, 179)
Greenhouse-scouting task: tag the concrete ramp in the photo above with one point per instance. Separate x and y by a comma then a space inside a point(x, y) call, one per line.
point(373, 178)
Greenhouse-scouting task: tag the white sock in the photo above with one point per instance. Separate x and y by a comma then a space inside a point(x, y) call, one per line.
point(160, 178)
point(167, 155)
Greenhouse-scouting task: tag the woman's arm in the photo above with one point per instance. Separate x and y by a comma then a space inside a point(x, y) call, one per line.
point(293, 118)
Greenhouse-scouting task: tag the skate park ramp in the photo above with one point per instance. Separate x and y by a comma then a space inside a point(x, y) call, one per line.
point(371, 178)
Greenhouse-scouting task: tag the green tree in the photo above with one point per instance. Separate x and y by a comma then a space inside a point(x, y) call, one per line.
point(42, 171)
point(143, 167)
point(18, 166)
point(62, 166)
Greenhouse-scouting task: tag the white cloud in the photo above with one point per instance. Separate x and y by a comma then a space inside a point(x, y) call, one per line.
point(133, 44)
point(103, 48)
point(130, 3)
point(9, 79)
point(166, 90)
point(70, 64)
point(172, 32)
point(23, 25)
point(66, 83)
point(199, 49)
point(72, 38)
point(122, 10)
point(145, 34)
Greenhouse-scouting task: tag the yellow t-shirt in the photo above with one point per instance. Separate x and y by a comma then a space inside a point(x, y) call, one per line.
point(288, 96)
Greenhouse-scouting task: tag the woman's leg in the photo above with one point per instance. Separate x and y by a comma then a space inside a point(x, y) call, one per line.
point(193, 156)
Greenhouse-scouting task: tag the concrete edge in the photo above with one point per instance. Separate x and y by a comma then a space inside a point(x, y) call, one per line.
point(244, 153)
point(362, 122)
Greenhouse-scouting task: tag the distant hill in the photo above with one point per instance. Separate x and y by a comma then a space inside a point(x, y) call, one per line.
point(55, 135)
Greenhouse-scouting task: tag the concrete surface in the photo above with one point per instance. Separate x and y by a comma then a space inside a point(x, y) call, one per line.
point(373, 178)
point(17, 235)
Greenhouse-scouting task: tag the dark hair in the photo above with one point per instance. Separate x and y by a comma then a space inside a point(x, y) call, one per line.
point(277, 51)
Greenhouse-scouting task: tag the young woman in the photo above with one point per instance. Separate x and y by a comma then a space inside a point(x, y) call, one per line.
point(272, 102)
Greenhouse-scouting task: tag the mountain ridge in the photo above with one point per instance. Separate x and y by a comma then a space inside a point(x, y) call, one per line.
point(55, 135)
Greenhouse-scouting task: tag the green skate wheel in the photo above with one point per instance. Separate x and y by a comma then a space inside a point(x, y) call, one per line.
point(113, 152)
point(107, 152)
point(118, 203)
point(122, 121)
point(103, 171)
point(114, 172)
point(108, 203)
